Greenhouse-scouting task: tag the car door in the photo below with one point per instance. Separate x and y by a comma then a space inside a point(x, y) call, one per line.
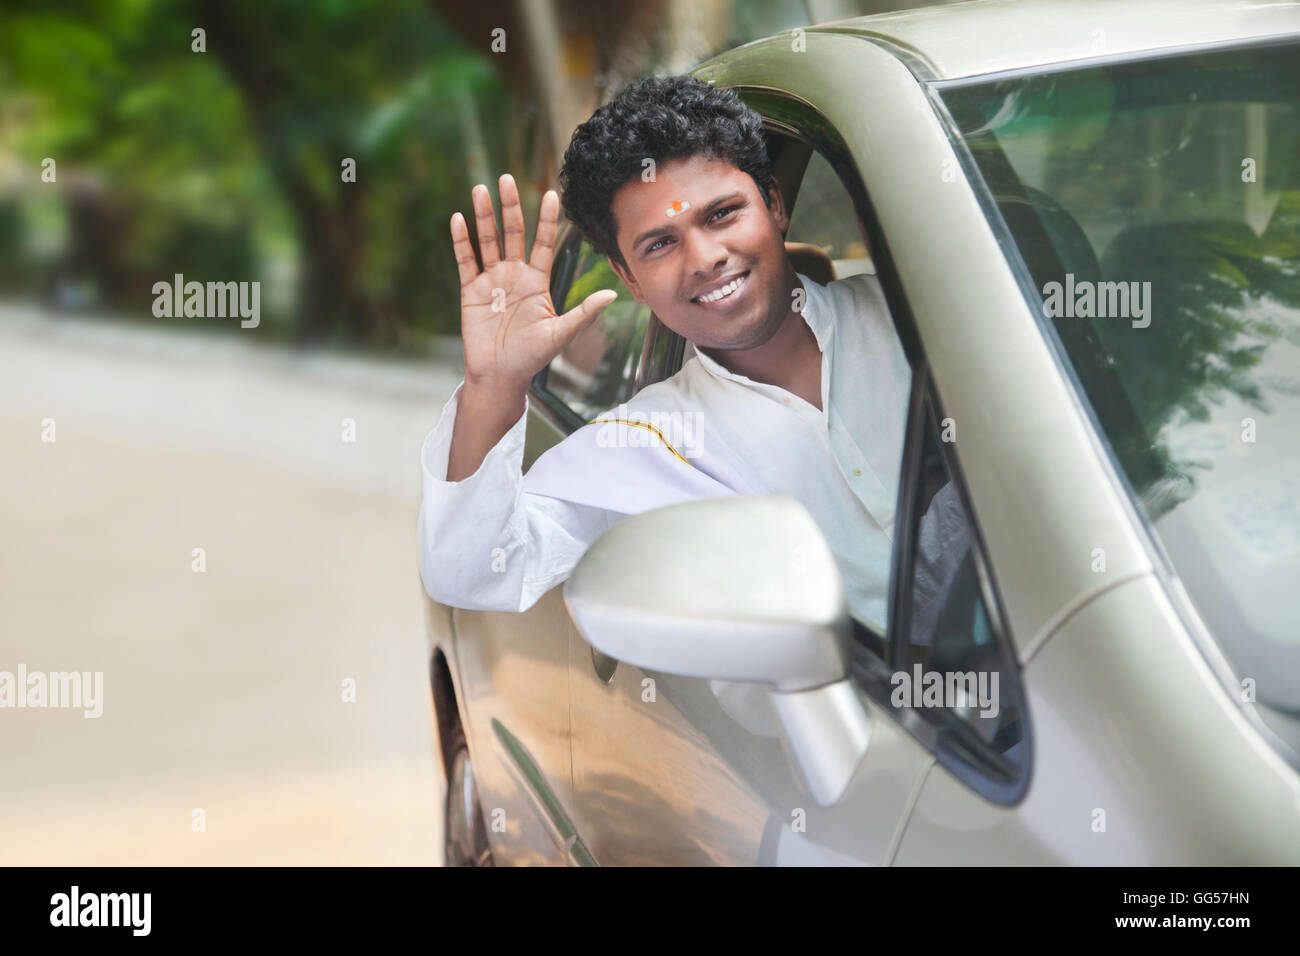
point(678, 770)
point(514, 666)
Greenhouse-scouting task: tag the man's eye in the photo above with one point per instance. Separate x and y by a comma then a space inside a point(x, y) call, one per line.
point(723, 212)
point(654, 245)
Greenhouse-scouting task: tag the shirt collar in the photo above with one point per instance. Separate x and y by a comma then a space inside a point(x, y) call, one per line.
point(815, 313)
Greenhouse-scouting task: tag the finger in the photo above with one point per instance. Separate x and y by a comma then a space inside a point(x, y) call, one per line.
point(466, 264)
point(512, 217)
point(488, 246)
point(544, 242)
point(583, 314)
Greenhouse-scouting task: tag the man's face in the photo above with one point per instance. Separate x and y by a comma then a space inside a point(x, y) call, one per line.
point(719, 230)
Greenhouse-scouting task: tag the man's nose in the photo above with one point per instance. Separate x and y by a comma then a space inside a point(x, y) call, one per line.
point(706, 254)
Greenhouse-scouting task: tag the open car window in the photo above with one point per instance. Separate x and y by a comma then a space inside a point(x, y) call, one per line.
point(823, 218)
point(944, 666)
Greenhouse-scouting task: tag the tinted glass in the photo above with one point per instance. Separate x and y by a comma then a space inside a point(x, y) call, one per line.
point(949, 666)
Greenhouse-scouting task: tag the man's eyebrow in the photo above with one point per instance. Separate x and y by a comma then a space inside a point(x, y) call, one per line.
point(666, 227)
point(730, 197)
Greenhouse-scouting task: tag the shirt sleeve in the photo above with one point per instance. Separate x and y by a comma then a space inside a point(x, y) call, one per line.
point(486, 544)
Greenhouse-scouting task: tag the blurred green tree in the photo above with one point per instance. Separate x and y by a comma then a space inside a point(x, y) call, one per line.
point(224, 163)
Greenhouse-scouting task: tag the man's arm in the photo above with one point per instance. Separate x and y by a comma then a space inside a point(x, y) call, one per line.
point(484, 542)
point(482, 420)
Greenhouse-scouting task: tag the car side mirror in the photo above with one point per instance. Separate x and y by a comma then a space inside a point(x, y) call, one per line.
point(737, 588)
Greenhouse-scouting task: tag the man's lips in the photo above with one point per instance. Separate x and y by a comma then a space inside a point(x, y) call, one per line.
point(720, 284)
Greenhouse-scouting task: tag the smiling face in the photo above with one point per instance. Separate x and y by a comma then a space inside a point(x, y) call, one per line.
point(715, 270)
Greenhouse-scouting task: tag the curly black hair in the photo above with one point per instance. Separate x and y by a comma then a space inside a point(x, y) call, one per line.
point(659, 118)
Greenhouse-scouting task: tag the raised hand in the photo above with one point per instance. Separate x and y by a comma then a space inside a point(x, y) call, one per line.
point(508, 322)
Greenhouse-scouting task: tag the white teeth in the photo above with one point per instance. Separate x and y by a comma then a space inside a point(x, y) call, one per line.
point(722, 293)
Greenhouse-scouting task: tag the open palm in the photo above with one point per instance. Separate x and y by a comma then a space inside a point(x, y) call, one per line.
point(508, 322)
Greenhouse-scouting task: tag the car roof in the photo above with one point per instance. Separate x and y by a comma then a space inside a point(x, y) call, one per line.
point(991, 36)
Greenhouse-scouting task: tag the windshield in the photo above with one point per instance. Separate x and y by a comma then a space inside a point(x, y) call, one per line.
point(1156, 205)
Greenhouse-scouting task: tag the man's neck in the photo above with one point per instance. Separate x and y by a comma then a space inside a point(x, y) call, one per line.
point(790, 359)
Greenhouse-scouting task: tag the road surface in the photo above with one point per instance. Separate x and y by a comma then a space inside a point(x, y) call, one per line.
point(225, 736)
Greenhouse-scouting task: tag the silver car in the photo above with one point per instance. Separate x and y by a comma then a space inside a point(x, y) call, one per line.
point(1086, 218)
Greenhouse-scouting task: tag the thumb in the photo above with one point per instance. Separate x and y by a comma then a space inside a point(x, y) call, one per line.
point(583, 314)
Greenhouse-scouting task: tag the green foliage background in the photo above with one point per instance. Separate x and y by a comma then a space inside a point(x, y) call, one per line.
point(225, 164)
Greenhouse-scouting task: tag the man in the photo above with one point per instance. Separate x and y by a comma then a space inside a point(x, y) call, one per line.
point(798, 389)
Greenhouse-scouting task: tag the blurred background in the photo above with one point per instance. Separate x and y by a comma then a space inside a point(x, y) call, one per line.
point(221, 519)
point(226, 164)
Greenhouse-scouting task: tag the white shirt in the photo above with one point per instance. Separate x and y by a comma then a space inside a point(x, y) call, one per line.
point(499, 539)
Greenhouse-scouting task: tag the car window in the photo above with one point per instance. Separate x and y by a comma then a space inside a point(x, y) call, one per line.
point(950, 669)
point(597, 370)
point(1156, 206)
point(944, 625)
point(823, 217)
point(869, 398)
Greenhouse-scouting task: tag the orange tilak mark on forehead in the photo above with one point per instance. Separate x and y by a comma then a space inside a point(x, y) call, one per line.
point(678, 207)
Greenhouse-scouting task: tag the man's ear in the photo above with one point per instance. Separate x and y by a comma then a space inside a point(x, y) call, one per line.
point(623, 273)
point(776, 206)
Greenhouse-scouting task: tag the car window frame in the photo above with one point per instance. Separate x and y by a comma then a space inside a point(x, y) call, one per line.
point(796, 119)
point(790, 118)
